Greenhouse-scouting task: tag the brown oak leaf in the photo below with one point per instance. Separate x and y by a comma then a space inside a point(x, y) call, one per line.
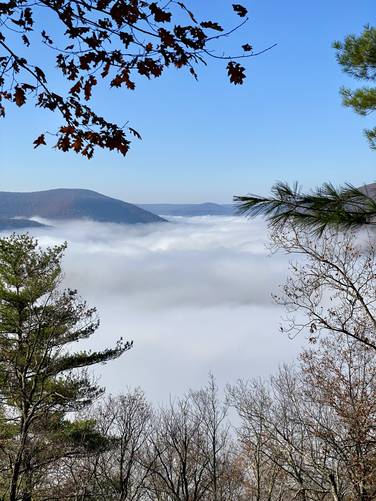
point(247, 47)
point(240, 10)
point(236, 72)
point(39, 140)
point(160, 15)
point(19, 96)
point(211, 25)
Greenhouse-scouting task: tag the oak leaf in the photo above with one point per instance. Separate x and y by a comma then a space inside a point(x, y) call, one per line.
point(160, 15)
point(240, 10)
point(19, 96)
point(236, 72)
point(39, 140)
point(211, 25)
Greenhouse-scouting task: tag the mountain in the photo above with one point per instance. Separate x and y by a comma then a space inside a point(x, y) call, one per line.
point(60, 204)
point(205, 209)
point(7, 223)
point(369, 189)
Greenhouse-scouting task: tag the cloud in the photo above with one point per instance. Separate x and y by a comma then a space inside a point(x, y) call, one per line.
point(193, 294)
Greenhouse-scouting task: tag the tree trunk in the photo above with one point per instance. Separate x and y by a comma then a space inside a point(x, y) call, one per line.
point(13, 494)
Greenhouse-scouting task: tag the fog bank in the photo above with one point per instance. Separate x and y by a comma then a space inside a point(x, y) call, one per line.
point(193, 295)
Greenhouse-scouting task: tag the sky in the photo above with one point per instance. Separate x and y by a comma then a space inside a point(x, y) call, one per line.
point(208, 140)
point(193, 294)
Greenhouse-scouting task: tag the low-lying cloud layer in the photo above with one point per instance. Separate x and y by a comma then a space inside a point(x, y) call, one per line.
point(193, 294)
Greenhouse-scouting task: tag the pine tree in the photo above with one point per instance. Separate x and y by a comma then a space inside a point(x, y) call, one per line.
point(43, 382)
point(357, 56)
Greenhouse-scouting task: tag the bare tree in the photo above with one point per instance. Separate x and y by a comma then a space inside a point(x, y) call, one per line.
point(264, 479)
point(193, 450)
point(117, 472)
point(332, 285)
point(181, 470)
point(340, 380)
point(309, 433)
point(126, 422)
point(212, 415)
point(274, 440)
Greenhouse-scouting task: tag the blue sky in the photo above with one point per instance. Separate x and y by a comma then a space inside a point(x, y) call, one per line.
point(210, 140)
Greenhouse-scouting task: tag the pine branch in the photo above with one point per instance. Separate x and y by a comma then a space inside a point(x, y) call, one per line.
point(343, 208)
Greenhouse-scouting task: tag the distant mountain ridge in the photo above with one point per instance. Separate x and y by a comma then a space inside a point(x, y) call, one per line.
point(65, 203)
point(7, 223)
point(189, 210)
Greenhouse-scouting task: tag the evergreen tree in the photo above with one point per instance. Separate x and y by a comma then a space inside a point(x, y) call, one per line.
point(327, 206)
point(357, 56)
point(43, 382)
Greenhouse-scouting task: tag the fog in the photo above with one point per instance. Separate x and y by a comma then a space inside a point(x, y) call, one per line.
point(193, 294)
